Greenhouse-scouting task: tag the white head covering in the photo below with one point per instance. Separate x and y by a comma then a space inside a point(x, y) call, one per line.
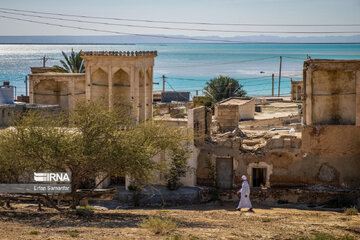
point(243, 177)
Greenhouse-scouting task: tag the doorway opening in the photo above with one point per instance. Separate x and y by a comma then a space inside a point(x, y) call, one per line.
point(224, 173)
point(258, 177)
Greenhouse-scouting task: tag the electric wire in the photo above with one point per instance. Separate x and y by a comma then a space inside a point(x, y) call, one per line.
point(122, 33)
point(181, 22)
point(175, 28)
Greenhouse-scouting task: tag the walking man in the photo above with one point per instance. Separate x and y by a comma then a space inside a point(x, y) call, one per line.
point(245, 195)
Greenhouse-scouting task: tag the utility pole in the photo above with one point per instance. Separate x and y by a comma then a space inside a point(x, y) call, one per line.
point(163, 78)
point(197, 92)
point(279, 76)
point(272, 85)
point(44, 60)
point(26, 88)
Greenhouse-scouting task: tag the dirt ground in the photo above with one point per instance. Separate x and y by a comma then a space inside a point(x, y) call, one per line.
point(193, 222)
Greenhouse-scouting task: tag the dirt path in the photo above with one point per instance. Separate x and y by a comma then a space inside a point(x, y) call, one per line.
point(193, 222)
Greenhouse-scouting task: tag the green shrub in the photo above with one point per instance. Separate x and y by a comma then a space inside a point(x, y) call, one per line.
point(162, 211)
point(347, 237)
point(88, 207)
point(319, 236)
point(351, 211)
point(180, 237)
point(175, 237)
point(34, 232)
point(158, 225)
point(73, 234)
point(178, 167)
point(265, 219)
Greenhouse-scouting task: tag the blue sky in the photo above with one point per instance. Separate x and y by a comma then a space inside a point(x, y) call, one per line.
point(225, 11)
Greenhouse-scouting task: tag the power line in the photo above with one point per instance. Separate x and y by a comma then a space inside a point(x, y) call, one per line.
point(224, 63)
point(203, 80)
point(295, 57)
point(183, 22)
point(122, 33)
point(177, 28)
point(171, 28)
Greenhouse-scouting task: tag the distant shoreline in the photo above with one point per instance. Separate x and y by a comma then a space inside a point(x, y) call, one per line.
point(283, 43)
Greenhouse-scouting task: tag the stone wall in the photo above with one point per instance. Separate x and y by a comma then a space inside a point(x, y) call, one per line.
point(289, 160)
point(8, 112)
point(332, 92)
point(62, 89)
point(199, 120)
point(247, 110)
point(227, 116)
point(297, 90)
point(117, 77)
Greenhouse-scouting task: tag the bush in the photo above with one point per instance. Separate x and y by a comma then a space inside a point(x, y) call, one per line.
point(73, 234)
point(34, 232)
point(158, 225)
point(319, 236)
point(178, 167)
point(265, 219)
point(347, 237)
point(351, 211)
point(88, 207)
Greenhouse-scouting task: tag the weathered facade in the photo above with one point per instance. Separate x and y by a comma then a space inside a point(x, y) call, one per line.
point(324, 151)
point(230, 111)
point(117, 77)
point(61, 89)
point(331, 135)
point(297, 90)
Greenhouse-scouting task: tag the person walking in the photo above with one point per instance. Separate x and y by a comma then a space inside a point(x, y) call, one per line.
point(245, 195)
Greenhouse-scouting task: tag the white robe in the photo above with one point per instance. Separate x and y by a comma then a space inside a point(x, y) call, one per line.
point(245, 201)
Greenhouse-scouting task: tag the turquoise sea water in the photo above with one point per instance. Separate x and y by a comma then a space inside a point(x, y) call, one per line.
point(187, 67)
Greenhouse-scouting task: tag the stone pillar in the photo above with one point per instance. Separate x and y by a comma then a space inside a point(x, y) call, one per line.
point(31, 88)
point(110, 84)
point(357, 83)
point(150, 93)
point(134, 84)
point(88, 86)
point(145, 95)
point(308, 98)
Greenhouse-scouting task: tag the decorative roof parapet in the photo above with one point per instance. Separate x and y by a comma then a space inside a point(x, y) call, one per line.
point(120, 53)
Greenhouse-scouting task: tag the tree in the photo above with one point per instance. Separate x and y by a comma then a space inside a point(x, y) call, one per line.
point(223, 87)
point(178, 167)
point(72, 64)
point(87, 141)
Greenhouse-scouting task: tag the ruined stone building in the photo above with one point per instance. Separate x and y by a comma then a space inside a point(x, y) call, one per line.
point(272, 147)
point(324, 151)
point(118, 77)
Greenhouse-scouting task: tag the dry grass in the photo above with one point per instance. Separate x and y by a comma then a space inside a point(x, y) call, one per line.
point(192, 222)
point(351, 211)
point(158, 225)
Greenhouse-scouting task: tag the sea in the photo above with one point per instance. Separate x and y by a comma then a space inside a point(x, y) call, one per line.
point(187, 67)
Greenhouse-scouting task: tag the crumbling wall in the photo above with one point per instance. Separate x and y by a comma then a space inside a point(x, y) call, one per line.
point(62, 89)
point(331, 141)
point(332, 89)
point(227, 116)
point(199, 121)
point(247, 110)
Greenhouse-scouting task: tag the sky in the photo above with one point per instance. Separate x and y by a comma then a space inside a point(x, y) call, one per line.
point(218, 11)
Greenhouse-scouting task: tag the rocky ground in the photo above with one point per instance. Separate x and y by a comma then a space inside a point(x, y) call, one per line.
point(209, 221)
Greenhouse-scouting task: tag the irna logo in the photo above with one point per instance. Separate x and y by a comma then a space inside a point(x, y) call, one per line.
point(52, 177)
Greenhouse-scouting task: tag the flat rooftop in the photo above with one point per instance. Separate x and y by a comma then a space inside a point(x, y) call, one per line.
point(277, 109)
point(235, 101)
